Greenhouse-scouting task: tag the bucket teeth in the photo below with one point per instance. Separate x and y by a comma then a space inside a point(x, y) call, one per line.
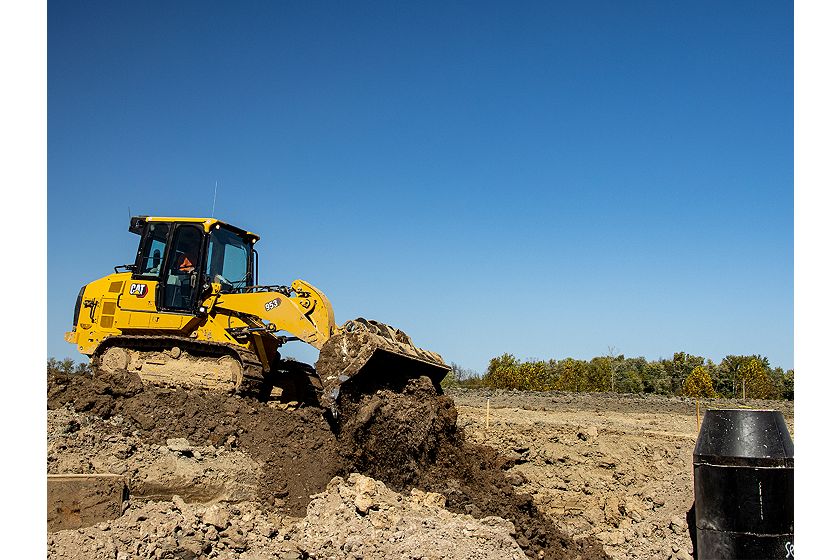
point(377, 352)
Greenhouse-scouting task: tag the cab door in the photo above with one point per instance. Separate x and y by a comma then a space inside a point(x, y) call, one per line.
point(181, 273)
point(138, 295)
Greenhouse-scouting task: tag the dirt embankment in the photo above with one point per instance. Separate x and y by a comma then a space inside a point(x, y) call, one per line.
point(234, 449)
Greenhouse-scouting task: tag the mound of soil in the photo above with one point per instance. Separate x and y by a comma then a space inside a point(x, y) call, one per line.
point(297, 450)
point(394, 433)
point(403, 434)
point(362, 518)
point(406, 436)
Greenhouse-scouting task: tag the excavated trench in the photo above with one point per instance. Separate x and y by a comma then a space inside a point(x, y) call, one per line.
point(402, 433)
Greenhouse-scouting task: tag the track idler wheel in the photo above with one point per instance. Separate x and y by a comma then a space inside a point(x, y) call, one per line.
point(115, 359)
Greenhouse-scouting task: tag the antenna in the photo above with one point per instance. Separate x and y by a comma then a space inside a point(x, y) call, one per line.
point(129, 212)
point(213, 213)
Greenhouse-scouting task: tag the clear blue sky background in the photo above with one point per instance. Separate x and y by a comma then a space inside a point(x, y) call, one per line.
point(546, 179)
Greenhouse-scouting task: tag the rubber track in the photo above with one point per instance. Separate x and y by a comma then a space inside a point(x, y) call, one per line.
point(253, 380)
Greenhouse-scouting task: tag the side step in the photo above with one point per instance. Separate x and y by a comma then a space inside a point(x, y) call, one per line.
point(82, 500)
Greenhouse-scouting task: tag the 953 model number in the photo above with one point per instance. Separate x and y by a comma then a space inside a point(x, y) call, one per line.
point(272, 304)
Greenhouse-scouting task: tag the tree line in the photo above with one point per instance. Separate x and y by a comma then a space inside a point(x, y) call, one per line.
point(683, 375)
point(67, 366)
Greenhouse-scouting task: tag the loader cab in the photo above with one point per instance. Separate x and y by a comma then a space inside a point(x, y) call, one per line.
point(185, 256)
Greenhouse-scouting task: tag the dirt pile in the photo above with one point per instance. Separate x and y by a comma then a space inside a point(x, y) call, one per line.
point(361, 518)
point(396, 432)
point(296, 450)
point(207, 446)
point(406, 435)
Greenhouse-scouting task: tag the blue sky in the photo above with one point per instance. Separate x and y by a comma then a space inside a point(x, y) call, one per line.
point(543, 179)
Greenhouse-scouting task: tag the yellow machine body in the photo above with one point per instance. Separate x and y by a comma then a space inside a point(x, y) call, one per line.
point(189, 311)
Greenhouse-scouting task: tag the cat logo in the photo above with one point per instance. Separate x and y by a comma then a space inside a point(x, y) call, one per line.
point(139, 290)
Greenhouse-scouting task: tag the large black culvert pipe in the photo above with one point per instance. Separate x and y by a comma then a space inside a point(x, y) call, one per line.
point(743, 486)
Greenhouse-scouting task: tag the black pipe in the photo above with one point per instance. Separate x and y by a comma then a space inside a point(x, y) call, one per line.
point(743, 486)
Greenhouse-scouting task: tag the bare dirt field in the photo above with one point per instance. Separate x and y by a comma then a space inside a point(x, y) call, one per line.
point(405, 474)
point(616, 467)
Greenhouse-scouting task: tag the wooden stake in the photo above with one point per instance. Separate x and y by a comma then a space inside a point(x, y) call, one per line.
point(487, 415)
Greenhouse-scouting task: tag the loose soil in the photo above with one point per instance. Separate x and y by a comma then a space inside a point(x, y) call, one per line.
point(406, 436)
point(547, 475)
point(296, 450)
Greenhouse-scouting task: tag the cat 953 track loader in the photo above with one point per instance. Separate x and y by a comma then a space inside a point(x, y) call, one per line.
point(190, 312)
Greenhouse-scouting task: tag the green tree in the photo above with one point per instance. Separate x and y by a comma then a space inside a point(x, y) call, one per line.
point(756, 380)
point(572, 375)
point(787, 385)
point(455, 377)
point(656, 379)
point(629, 374)
point(534, 376)
point(67, 367)
point(698, 383)
point(501, 372)
point(599, 374)
point(729, 375)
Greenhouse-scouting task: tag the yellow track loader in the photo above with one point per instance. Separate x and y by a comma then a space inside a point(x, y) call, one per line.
point(190, 312)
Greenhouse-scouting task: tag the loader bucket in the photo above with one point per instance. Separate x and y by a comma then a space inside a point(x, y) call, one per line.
point(372, 354)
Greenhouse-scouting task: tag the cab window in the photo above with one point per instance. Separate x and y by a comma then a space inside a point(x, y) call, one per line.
point(153, 251)
point(180, 280)
point(227, 260)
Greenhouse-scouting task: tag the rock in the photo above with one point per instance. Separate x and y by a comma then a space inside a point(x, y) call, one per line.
point(682, 554)
point(179, 445)
point(434, 499)
point(678, 524)
point(594, 516)
point(633, 508)
point(72, 426)
point(216, 516)
point(414, 526)
point(237, 542)
point(611, 513)
point(516, 478)
point(363, 504)
point(212, 534)
point(611, 538)
point(179, 503)
point(365, 485)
